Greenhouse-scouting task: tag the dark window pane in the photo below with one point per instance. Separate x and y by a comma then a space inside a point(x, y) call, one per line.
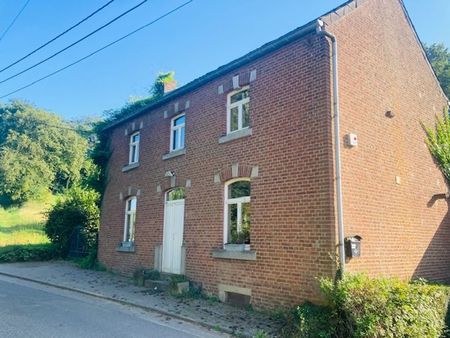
point(232, 223)
point(133, 154)
point(239, 189)
point(175, 139)
point(245, 116)
point(129, 231)
point(234, 116)
point(239, 96)
point(132, 224)
point(135, 138)
point(245, 226)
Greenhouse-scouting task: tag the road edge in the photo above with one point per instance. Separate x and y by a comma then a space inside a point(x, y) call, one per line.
point(142, 307)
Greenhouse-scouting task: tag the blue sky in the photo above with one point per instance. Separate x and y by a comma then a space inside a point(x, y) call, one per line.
point(199, 38)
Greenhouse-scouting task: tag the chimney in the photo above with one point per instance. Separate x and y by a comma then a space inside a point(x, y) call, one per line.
point(169, 86)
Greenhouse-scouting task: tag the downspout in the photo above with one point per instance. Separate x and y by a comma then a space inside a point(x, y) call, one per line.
point(337, 144)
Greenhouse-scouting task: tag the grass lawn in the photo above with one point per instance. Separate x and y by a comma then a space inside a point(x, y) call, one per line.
point(23, 225)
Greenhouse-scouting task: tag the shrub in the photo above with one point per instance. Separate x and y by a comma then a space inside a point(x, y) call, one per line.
point(27, 253)
point(313, 321)
point(447, 324)
point(77, 209)
point(90, 261)
point(385, 307)
point(307, 320)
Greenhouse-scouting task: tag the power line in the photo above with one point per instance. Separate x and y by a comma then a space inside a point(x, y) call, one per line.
point(57, 37)
point(14, 20)
point(74, 43)
point(98, 50)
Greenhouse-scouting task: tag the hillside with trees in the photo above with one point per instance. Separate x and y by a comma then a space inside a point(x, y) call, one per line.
point(39, 153)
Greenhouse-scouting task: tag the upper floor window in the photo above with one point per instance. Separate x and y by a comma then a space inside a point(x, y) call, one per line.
point(130, 219)
point(177, 132)
point(237, 212)
point(134, 148)
point(238, 110)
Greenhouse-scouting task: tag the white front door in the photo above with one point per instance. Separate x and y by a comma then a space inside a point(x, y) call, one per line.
point(173, 232)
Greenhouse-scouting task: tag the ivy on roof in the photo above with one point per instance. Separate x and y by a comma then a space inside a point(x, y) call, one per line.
point(156, 92)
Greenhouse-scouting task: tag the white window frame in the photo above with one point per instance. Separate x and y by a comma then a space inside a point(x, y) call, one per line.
point(178, 128)
point(239, 201)
point(238, 104)
point(126, 225)
point(136, 146)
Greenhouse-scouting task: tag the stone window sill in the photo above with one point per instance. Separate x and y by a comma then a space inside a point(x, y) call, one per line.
point(248, 255)
point(126, 247)
point(173, 154)
point(129, 167)
point(236, 135)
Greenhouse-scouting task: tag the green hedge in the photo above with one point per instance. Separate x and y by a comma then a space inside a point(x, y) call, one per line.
point(77, 209)
point(27, 253)
point(361, 306)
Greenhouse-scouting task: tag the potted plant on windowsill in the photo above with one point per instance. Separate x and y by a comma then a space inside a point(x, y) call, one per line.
point(240, 241)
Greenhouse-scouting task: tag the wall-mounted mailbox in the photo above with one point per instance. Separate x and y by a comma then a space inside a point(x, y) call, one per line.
point(353, 246)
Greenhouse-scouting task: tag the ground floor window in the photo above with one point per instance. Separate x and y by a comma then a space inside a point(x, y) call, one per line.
point(237, 212)
point(130, 219)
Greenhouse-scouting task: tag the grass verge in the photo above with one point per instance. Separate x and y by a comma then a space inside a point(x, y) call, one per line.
point(23, 225)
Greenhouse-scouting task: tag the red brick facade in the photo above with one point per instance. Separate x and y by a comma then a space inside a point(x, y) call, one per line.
point(406, 232)
point(289, 158)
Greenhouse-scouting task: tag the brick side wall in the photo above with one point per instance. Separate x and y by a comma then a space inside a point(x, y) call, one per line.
point(405, 231)
point(291, 198)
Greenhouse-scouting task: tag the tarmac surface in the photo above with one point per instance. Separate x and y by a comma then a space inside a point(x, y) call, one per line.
point(33, 310)
point(206, 313)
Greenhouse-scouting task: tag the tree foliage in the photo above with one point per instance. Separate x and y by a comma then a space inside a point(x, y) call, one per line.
point(156, 92)
point(77, 210)
point(439, 57)
point(438, 142)
point(38, 152)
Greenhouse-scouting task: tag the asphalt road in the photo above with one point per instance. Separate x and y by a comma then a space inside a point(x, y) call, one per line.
point(31, 310)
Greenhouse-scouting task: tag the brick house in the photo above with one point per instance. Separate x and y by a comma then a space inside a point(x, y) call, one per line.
point(233, 178)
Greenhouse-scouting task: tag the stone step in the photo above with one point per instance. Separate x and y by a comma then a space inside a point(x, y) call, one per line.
point(157, 285)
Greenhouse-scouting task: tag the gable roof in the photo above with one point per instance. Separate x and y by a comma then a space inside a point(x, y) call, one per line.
point(408, 19)
point(222, 70)
point(296, 34)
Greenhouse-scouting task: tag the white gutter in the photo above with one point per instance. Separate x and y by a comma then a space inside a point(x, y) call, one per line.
point(337, 144)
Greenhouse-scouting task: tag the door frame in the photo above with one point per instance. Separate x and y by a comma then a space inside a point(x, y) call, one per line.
point(167, 205)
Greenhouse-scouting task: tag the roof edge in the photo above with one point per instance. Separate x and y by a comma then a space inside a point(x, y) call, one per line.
point(422, 48)
point(222, 70)
point(296, 34)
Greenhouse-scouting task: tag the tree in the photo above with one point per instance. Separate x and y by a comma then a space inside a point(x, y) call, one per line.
point(38, 152)
point(438, 142)
point(439, 57)
point(157, 89)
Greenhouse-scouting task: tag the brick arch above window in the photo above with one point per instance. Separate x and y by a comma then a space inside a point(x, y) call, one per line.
point(236, 170)
point(167, 183)
point(128, 192)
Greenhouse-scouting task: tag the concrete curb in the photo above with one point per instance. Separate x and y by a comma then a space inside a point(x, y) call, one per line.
point(142, 307)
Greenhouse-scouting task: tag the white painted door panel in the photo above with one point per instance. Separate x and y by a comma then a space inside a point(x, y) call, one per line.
point(173, 236)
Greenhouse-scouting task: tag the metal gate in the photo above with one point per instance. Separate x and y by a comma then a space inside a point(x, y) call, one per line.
point(78, 245)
